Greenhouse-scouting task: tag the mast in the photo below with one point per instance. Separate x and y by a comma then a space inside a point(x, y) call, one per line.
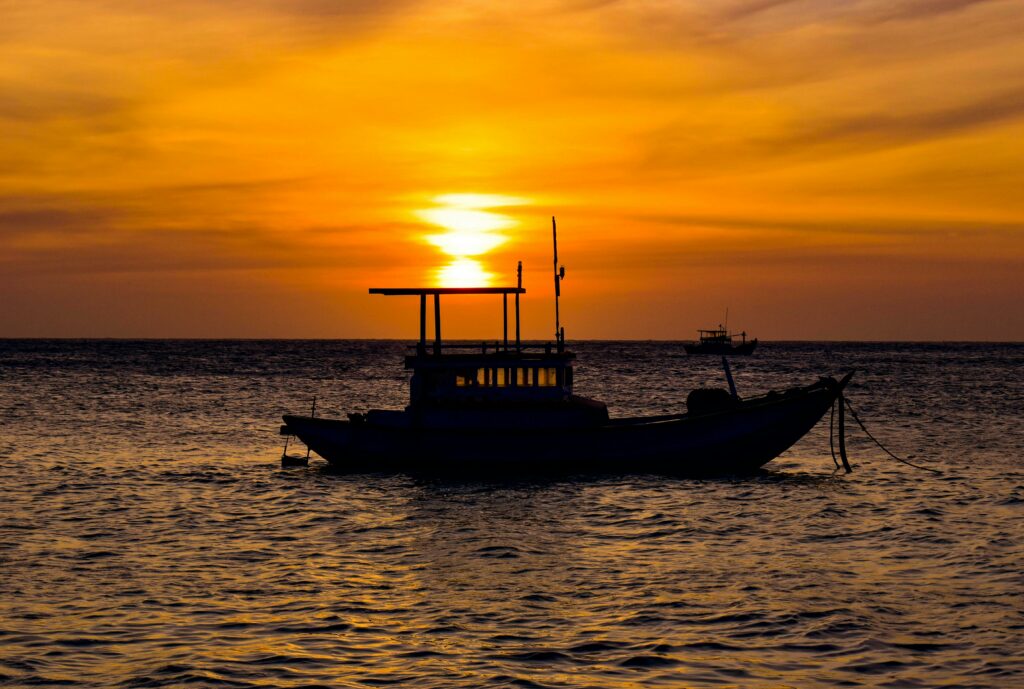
point(559, 276)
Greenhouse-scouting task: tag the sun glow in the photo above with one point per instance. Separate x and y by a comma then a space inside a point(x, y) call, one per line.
point(463, 272)
point(472, 228)
point(470, 232)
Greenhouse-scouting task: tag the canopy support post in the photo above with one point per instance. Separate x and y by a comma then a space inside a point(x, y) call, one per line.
point(504, 318)
point(519, 285)
point(437, 323)
point(423, 323)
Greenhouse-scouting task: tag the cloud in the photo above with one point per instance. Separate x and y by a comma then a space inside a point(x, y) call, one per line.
point(731, 244)
point(195, 249)
point(786, 15)
point(882, 129)
point(914, 10)
point(130, 232)
point(33, 103)
point(751, 8)
point(696, 149)
point(877, 227)
point(31, 220)
point(186, 14)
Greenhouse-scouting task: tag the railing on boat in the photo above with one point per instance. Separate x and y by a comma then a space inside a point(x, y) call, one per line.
point(488, 347)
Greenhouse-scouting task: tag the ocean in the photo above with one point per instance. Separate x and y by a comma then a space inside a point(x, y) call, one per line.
point(149, 536)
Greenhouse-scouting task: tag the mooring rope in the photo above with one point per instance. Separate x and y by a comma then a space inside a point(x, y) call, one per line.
point(832, 433)
point(884, 448)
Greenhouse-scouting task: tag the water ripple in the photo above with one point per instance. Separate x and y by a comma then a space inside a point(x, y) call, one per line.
point(149, 538)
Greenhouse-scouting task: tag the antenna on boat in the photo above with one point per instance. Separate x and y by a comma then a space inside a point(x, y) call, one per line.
point(559, 276)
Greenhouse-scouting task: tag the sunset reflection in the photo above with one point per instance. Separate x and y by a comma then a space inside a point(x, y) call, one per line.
point(472, 227)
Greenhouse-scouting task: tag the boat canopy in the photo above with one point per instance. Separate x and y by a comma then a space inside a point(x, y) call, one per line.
point(436, 292)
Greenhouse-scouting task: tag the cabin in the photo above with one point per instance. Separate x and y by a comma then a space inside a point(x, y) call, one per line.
point(719, 335)
point(716, 336)
point(499, 373)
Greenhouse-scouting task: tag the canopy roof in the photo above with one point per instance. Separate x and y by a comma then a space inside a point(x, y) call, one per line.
point(423, 291)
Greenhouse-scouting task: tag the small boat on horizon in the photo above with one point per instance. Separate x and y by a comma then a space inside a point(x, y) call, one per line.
point(718, 341)
point(510, 407)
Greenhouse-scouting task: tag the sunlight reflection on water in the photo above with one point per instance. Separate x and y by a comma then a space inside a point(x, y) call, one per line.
point(150, 538)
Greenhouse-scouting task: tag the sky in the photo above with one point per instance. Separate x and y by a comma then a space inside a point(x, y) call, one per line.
point(823, 169)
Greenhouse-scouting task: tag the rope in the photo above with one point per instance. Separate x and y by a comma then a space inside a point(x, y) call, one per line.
point(832, 434)
point(884, 448)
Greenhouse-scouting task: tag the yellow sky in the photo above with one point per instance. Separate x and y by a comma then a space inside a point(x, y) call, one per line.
point(205, 168)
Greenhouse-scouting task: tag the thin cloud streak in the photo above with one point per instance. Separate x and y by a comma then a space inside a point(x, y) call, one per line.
point(882, 129)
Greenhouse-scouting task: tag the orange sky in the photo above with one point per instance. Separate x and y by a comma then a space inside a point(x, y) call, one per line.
point(208, 168)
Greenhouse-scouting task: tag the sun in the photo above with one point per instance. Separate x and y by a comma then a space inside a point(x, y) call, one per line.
point(470, 232)
point(472, 228)
point(463, 272)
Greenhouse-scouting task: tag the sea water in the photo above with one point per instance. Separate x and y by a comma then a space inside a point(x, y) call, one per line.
point(150, 538)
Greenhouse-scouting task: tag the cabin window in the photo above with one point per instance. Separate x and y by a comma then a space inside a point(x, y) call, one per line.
point(547, 377)
point(513, 376)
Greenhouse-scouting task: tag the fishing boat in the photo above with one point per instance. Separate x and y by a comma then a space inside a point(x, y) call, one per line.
point(719, 341)
point(510, 407)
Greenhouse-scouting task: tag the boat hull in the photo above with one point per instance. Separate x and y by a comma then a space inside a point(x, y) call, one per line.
point(737, 440)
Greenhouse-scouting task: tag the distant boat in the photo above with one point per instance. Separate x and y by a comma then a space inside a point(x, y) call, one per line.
point(509, 407)
point(719, 341)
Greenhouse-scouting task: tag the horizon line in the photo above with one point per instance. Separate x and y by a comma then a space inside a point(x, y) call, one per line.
point(5, 338)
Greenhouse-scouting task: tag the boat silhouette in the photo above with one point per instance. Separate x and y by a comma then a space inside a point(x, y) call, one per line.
point(718, 341)
point(510, 406)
